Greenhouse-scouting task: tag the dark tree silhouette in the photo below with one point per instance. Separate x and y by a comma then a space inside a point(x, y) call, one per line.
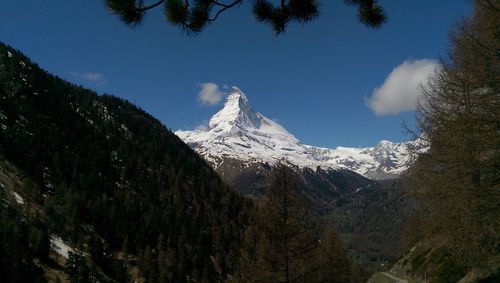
point(281, 245)
point(144, 193)
point(192, 16)
point(457, 181)
point(285, 241)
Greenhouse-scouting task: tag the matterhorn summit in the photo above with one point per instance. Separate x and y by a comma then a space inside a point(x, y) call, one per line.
point(237, 113)
point(239, 133)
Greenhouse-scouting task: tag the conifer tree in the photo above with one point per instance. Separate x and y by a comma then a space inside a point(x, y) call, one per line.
point(332, 261)
point(281, 244)
point(77, 269)
point(192, 16)
point(457, 182)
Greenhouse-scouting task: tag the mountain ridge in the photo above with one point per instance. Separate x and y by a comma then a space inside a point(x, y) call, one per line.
point(238, 132)
point(102, 175)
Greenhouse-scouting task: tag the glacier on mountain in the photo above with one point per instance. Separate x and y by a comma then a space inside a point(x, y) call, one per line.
point(238, 132)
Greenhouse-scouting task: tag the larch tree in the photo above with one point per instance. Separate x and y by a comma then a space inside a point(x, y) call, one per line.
point(457, 182)
point(281, 244)
point(285, 241)
point(333, 264)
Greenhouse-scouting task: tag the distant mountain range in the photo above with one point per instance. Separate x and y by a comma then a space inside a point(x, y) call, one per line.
point(237, 132)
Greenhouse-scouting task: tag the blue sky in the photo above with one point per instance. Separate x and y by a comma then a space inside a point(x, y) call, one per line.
point(315, 79)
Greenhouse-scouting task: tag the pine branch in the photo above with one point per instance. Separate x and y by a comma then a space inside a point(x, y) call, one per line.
point(145, 8)
point(225, 7)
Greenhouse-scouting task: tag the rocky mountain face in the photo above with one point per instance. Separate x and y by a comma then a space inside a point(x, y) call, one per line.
point(239, 133)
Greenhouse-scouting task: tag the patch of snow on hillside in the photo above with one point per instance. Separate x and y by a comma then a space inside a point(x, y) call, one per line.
point(59, 246)
point(18, 198)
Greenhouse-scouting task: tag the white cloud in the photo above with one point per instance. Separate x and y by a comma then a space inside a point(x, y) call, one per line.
point(210, 94)
point(401, 89)
point(93, 77)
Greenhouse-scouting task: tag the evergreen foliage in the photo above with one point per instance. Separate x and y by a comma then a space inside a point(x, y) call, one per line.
point(77, 268)
point(20, 241)
point(109, 176)
point(192, 16)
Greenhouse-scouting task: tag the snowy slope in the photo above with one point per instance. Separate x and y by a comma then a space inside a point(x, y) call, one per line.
point(238, 132)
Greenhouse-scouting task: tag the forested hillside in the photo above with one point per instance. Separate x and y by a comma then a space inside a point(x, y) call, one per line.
point(95, 189)
point(110, 180)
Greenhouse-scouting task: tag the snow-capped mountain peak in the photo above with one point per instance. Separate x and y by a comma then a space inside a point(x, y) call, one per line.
point(237, 112)
point(237, 119)
point(238, 132)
